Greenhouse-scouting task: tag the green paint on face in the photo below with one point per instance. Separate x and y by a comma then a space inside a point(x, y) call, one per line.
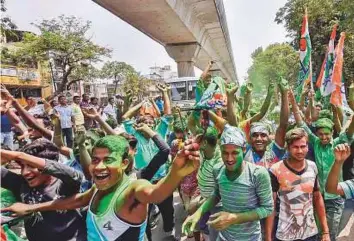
point(113, 160)
point(239, 159)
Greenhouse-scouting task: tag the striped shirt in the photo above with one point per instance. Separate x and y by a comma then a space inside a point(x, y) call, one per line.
point(205, 176)
point(251, 191)
point(348, 188)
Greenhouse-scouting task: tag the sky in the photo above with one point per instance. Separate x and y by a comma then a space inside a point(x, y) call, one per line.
point(251, 24)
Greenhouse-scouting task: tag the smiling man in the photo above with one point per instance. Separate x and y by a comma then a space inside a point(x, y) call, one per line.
point(44, 179)
point(118, 205)
point(295, 183)
point(323, 145)
point(261, 150)
point(244, 190)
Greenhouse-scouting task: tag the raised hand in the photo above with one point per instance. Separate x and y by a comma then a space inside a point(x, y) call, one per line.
point(311, 93)
point(341, 152)
point(284, 85)
point(144, 129)
point(291, 97)
point(80, 138)
point(231, 90)
point(162, 88)
point(187, 159)
point(271, 88)
point(249, 87)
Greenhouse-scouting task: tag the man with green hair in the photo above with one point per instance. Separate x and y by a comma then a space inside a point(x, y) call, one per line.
point(243, 188)
point(117, 204)
point(323, 145)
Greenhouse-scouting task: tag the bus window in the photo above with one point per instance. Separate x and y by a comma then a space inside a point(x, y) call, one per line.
point(32, 92)
point(15, 92)
point(179, 91)
point(191, 89)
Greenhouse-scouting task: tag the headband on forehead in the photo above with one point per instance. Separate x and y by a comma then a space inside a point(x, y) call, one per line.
point(233, 135)
point(259, 127)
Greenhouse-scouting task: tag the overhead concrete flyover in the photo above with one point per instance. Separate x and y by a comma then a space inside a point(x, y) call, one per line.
point(193, 32)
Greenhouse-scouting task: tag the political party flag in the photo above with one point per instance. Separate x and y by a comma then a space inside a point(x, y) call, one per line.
point(324, 79)
point(305, 72)
point(214, 96)
point(336, 97)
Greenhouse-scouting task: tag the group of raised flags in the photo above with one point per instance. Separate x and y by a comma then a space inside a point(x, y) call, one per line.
point(330, 80)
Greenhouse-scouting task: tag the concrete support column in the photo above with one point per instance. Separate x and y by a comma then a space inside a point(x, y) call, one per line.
point(184, 54)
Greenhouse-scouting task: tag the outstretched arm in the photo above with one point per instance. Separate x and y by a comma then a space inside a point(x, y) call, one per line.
point(246, 101)
point(94, 115)
point(218, 121)
point(314, 112)
point(29, 120)
point(284, 114)
point(76, 201)
point(336, 121)
point(186, 161)
point(296, 111)
point(206, 70)
point(231, 112)
point(166, 99)
point(132, 111)
point(341, 152)
point(265, 105)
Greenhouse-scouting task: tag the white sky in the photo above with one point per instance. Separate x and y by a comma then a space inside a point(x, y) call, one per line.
point(251, 24)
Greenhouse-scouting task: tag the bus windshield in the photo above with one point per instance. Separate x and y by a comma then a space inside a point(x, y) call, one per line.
point(179, 91)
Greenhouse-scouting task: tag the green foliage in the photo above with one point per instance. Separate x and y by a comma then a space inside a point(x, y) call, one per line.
point(138, 84)
point(6, 24)
point(277, 60)
point(118, 71)
point(115, 69)
point(322, 15)
point(64, 41)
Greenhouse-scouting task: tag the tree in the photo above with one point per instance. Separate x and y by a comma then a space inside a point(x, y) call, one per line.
point(322, 16)
point(277, 60)
point(6, 24)
point(117, 71)
point(63, 41)
point(138, 84)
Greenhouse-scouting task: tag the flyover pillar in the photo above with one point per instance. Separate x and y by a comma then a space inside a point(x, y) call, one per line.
point(185, 55)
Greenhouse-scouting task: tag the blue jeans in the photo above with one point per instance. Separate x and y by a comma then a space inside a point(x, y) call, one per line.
point(7, 139)
point(334, 210)
point(68, 136)
point(347, 213)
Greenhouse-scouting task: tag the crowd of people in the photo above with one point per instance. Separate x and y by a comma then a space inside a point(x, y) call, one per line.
point(81, 171)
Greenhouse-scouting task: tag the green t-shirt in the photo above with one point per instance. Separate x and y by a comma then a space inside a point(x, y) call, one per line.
point(324, 157)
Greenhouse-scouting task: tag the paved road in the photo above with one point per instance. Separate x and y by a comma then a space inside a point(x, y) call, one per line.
point(159, 235)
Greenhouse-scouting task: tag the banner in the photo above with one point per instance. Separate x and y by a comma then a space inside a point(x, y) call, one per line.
point(305, 72)
point(324, 79)
point(336, 97)
point(214, 96)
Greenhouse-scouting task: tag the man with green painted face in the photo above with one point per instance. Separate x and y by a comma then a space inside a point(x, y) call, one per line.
point(117, 204)
point(243, 188)
point(323, 145)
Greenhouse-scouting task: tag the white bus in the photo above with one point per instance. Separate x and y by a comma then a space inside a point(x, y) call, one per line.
point(183, 91)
